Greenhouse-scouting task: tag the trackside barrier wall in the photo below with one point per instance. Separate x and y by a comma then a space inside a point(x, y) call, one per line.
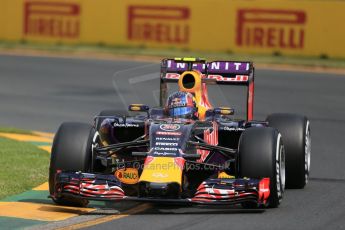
point(294, 27)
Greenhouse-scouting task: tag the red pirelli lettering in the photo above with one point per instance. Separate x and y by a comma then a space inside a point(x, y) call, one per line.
point(270, 28)
point(161, 24)
point(51, 19)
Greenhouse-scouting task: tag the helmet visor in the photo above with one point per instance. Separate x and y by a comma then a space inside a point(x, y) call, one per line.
point(183, 112)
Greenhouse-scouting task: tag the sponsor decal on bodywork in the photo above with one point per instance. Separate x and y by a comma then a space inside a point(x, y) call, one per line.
point(167, 143)
point(210, 137)
point(156, 153)
point(128, 175)
point(237, 78)
point(165, 149)
point(169, 133)
point(167, 139)
point(159, 175)
point(213, 67)
point(236, 129)
point(126, 125)
point(169, 127)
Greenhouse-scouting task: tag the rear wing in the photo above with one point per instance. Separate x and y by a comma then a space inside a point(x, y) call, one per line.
point(221, 72)
point(224, 72)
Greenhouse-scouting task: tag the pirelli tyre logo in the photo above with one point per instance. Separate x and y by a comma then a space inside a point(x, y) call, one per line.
point(284, 29)
point(52, 19)
point(160, 24)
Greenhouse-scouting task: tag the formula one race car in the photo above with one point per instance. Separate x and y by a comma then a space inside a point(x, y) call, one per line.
point(185, 151)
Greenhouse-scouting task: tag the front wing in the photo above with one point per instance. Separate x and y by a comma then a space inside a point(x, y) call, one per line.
point(223, 191)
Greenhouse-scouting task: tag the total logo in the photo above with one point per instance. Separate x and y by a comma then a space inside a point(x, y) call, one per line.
point(159, 175)
point(169, 127)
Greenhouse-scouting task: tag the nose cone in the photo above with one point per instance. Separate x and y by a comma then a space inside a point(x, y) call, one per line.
point(161, 177)
point(162, 170)
point(159, 190)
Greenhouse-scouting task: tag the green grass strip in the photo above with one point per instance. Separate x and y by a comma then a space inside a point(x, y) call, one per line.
point(15, 130)
point(23, 167)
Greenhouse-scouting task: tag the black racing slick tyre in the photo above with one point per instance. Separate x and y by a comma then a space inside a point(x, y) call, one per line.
point(71, 151)
point(261, 154)
point(295, 130)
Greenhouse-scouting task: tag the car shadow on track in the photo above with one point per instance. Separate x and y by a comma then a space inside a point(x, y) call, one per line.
point(161, 209)
point(157, 209)
point(199, 212)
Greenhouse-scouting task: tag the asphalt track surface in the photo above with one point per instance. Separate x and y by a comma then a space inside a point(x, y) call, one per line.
point(40, 93)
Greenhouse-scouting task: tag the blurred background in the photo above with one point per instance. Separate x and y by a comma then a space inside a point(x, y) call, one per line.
point(69, 59)
point(309, 28)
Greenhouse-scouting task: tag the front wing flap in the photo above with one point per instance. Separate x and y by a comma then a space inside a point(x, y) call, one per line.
point(210, 192)
point(233, 190)
point(87, 185)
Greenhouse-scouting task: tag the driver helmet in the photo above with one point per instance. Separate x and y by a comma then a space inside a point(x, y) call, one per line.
point(182, 105)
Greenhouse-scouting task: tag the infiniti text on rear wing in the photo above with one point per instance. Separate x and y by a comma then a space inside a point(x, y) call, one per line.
point(224, 72)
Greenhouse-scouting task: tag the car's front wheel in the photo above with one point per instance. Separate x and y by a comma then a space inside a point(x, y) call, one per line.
point(71, 151)
point(261, 154)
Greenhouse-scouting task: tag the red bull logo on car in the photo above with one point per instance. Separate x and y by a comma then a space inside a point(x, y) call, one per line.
point(266, 28)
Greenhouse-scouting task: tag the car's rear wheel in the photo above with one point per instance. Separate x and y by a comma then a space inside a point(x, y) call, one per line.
point(71, 151)
point(295, 130)
point(261, 154)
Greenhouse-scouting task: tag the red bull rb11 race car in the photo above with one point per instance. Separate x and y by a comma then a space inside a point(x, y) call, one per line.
point(186, 151)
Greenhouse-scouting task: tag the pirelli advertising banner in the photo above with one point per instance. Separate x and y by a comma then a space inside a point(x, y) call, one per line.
point(295, 27)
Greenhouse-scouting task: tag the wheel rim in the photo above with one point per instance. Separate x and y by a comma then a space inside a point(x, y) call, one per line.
point(307, 152)
point(282, 167)
point(94, 144)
